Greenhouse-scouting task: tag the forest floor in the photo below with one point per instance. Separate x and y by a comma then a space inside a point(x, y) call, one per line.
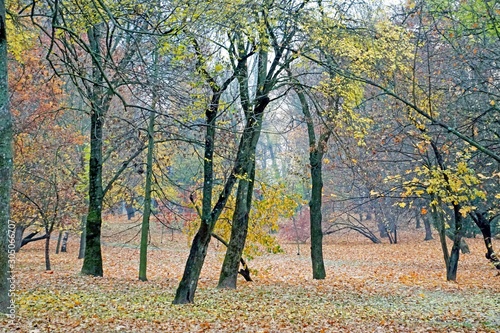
point(368, 288)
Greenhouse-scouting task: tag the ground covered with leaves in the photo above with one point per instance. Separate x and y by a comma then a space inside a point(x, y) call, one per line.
point(369, 288)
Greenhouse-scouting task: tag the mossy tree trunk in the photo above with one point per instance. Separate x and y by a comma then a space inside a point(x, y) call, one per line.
point(6, 234)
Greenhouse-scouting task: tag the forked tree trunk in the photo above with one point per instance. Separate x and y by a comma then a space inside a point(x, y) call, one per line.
point(197, 254)
point(254, 115)
point(239, 229)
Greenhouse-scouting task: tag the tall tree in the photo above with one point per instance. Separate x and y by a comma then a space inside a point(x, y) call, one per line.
point(6, 162)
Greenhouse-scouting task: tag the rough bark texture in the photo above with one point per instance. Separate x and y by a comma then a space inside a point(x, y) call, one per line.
point(92, 263)
point(5, 169)
point(316, 217)
point(189, 282)
point(451, 272)
point(316, 152)
point(484, 225)
point(239, 229)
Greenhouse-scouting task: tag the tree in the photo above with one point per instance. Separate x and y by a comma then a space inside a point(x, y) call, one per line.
point(6, 162)
point(95, 45)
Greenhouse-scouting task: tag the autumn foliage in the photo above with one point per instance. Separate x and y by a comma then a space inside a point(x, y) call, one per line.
point(370, 288)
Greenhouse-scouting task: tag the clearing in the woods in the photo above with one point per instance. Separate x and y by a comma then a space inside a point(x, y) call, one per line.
point(369, 288)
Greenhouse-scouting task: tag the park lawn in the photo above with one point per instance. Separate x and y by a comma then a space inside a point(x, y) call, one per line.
point(369, 288)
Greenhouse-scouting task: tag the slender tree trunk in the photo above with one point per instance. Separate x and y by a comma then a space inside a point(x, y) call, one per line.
point(81, 252)
point(47, 253)
point(197, 254)
point(92, 263)
point(316, 152)
point(59, 238)
point(451, 272)
point(418, 224)
point(64, 245)
point(316, 218)
point(147, 198)
point(484, 225)
point(440, 226)
point(19, 236)
point(5, 170)
point(428, 229)
point(239, 229)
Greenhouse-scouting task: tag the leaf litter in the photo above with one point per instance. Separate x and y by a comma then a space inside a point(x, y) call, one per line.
point(369, 288)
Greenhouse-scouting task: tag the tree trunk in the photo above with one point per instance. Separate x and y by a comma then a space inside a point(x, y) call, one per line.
point(64, 245)
point(92, 262)
point(6, 164)
point(316, 152)
point(418, 224)
point(428, 229)
point(59, 238)
point(484, 225)
point(147, 197)
point(440, 226)
point(19, 236)
point(47, 253)
point(189, 282)
point(451, 272)
point(247, 148)
point(81, 252)
point(316, 215)
point(239, 229)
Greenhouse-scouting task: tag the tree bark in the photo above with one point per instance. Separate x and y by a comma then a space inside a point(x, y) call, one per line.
point(451, 272)
point(239, 228)
point(484, 225)
point(19, 236)
point(64, 245)
point(197, 254)
point(92, 262)
point(316, 152)
point(143, 256)
point(6, 164)
point(47, 253)
point(428, 229)
point(316, 217)
point(81, 252)
point(59, 238)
